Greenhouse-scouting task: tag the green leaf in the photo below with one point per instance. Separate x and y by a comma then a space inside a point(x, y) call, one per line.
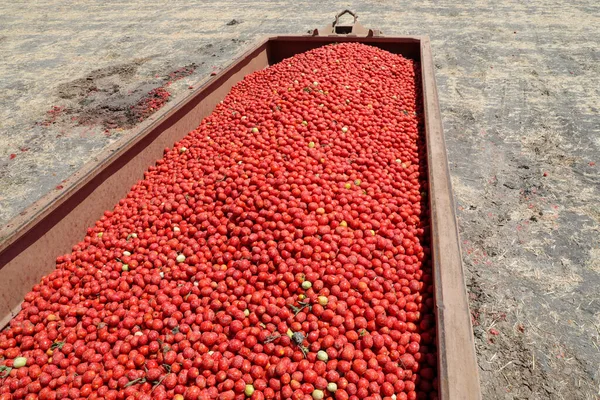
point(57, 345)
point(4, 371)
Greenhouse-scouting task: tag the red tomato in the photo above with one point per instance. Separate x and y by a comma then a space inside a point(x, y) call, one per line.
point(292, 221)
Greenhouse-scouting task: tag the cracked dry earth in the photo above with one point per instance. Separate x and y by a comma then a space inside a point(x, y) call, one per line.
point(519, 87)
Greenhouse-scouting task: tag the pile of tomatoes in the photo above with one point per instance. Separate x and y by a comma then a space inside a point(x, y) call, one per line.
point(278, 251)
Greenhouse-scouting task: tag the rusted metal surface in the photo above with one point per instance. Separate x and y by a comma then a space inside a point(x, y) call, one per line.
point(458, 370)
point(30, 243)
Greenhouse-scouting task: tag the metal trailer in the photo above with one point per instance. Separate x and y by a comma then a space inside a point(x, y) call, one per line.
point(30, 243)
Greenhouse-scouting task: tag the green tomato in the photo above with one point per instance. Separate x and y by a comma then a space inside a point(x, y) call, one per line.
point(19, 362)
point(322, 356)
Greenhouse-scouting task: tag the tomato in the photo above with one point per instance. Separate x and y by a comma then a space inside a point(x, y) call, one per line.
point(279, 250)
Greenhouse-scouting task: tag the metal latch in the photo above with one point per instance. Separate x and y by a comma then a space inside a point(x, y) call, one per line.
point(355, 29)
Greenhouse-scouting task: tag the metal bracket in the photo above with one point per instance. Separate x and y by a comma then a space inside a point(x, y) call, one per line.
point(355, 29)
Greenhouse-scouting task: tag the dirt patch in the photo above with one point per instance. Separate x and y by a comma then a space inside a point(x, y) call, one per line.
point(506, 351)
point(122, 110)
point(52, 115)
point(182, 72)
point(526, 226)
point(104, 80)
point(149, 104)
point(114, 97)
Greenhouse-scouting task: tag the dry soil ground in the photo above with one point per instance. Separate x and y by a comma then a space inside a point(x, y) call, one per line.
point(519, 85)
